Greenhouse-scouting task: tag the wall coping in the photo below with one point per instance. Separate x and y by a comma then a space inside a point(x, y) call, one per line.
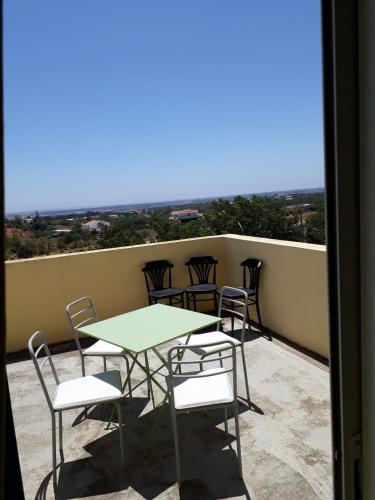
point(270, 241)
point(267, 241)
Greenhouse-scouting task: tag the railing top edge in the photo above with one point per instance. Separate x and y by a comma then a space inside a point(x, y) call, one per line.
point(114, 249)
point(253, 239)
point(270, 241)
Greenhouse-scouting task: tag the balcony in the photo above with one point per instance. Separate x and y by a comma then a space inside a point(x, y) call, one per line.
point(286, 438)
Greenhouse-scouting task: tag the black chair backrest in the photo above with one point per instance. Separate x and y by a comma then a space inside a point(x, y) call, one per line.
point(251, 273)
point(155, 272)
point(202, 267)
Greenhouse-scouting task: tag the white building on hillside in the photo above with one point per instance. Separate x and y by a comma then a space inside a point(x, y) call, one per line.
point(95, 225)
point(185, 215)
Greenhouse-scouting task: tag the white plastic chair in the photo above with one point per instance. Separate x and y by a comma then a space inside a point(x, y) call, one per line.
point(210, 338)
point(203, 390)
point(102, 387)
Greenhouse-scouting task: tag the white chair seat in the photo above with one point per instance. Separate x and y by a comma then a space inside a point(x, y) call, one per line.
point(193, 392)
point(88, 390)
point(207, 338)
point(103, 348)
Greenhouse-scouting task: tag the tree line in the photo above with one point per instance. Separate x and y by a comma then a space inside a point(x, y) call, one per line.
point(255, 216)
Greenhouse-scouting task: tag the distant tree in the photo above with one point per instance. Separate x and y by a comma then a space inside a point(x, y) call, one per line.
point(61, 244)
point(315, 228)
point(17, 223)
point(67, 239)
point(39, 224)
point(168, 230)
point(12, 244)
point(76, 227)
point(256, 216)
point(78, 236)
point(119, 234)
point(27, 250)
point(7, 253)
point(42, 245)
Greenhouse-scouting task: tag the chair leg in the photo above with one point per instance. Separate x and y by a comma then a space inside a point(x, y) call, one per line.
point(248, 317)
point(201, 364)
point(232, 319)
point(83, 365)
point(221, 361)
point(245, 374)
point(187, 301)
point(54, 473)
point(121, 430)
point(182, 301)
point(226, 420)
point(179, 357)
point(215, 302)
point(105, 363)
point(176, 445)
point(83, 375)
point(258, 314)
point(239, 458)
point(194, 303)
point(61, 437)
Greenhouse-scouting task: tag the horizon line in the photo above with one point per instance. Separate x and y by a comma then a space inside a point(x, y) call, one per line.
point(166, 202)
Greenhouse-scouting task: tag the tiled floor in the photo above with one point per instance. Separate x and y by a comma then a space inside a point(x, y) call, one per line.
point(286, 438)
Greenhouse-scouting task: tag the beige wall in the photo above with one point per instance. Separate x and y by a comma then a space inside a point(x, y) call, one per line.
point(37, 290)
point(293, 288)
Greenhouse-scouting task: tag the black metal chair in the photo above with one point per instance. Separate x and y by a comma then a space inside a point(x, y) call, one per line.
point(250, 283)
point(202, 273)
point(155, 275)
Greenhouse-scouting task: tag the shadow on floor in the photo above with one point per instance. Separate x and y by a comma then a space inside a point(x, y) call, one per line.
point(208, 470)
point(131, 410)
point(251, 334)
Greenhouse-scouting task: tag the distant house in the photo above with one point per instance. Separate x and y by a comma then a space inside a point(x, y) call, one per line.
point(27, 219)
point(185, 215)
point(295, 208)
point(113, 216)
point(302, 211)
point(56, 233)
point(94, 225)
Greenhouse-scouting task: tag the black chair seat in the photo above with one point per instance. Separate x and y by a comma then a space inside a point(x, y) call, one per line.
point(234, 295)
point(202, 288)
point(166, 292)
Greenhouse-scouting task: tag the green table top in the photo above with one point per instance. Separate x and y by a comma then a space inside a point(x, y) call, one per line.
point(148, 327)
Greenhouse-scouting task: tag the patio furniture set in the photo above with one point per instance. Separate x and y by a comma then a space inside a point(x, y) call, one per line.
point(190, 384)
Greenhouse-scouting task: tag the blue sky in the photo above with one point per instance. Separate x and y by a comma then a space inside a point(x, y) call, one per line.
point(120, 101)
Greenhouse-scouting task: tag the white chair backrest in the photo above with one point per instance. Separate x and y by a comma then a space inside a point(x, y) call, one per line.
point(230, 304)
point(35, 353)
point(79, 313)
point(227, 350)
